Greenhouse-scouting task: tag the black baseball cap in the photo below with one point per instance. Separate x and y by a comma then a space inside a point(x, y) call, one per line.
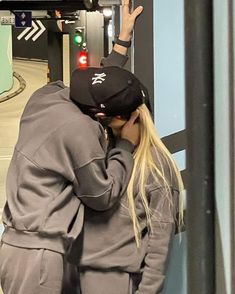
point(111, 90)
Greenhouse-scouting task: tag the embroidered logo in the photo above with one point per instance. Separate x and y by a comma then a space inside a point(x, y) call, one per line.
point(102, 106)
point(98, 78)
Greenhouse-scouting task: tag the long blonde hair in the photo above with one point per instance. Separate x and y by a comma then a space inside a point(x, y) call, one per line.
point(145, 165)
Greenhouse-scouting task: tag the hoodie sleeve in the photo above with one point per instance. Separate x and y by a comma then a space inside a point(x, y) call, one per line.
point(160, 242)
point(114, 59)
point(101, 182)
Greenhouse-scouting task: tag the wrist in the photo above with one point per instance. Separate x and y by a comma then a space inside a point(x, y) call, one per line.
point(125, 36)
point(125, 144)
point(122, 43)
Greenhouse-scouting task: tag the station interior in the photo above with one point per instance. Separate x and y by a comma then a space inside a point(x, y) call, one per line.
point(184, 54)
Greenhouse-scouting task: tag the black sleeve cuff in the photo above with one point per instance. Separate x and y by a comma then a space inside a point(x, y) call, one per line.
point(125, 145)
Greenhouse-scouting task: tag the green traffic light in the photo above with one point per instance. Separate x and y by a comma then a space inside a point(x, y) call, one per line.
point(78, 39)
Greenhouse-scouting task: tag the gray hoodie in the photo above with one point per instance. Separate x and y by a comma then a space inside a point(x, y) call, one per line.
point(59, 164)
point(107, 242)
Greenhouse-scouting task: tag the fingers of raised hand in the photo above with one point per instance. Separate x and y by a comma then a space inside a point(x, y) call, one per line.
point(137, 11)
point(125, 2)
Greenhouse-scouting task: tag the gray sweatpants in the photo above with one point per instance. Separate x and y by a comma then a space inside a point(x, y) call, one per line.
point(30, 271)
point(97, 282)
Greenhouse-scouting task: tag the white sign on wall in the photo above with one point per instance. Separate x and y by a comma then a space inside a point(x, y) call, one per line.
point(33, 32)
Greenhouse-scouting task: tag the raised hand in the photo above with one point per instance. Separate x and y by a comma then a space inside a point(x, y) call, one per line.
point(131, 130)
point(128, 19)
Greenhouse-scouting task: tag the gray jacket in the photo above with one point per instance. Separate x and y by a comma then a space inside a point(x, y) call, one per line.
point(59, 164)
point(107, 241)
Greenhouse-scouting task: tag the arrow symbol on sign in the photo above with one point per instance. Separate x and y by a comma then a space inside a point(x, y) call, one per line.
point(69, 21)
point(23, 15)
point(40, 27)
point(21, 35)
point(23, 23)
point(35, 28)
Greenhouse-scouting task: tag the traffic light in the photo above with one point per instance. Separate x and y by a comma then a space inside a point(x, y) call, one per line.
point(82, 59)
point(79, 37)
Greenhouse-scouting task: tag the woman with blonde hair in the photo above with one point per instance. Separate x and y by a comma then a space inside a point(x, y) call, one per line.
point(126, 248)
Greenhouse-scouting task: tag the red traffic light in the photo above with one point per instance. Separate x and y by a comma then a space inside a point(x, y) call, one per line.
point(82, 59)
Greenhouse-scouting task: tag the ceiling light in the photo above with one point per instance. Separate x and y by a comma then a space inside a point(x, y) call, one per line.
point(107, 12)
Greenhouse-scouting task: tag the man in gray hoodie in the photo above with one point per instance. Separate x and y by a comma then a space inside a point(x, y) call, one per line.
point(60, 162)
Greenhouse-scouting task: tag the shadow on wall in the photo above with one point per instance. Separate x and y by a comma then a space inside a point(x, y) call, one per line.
point(177, 274)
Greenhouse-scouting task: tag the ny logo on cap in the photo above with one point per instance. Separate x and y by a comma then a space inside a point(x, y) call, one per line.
point(98, 78)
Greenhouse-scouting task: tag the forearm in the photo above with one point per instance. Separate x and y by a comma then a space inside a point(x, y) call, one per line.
point(118, 56)
point(128, 23)
point(124, 36)
point(102, 186)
